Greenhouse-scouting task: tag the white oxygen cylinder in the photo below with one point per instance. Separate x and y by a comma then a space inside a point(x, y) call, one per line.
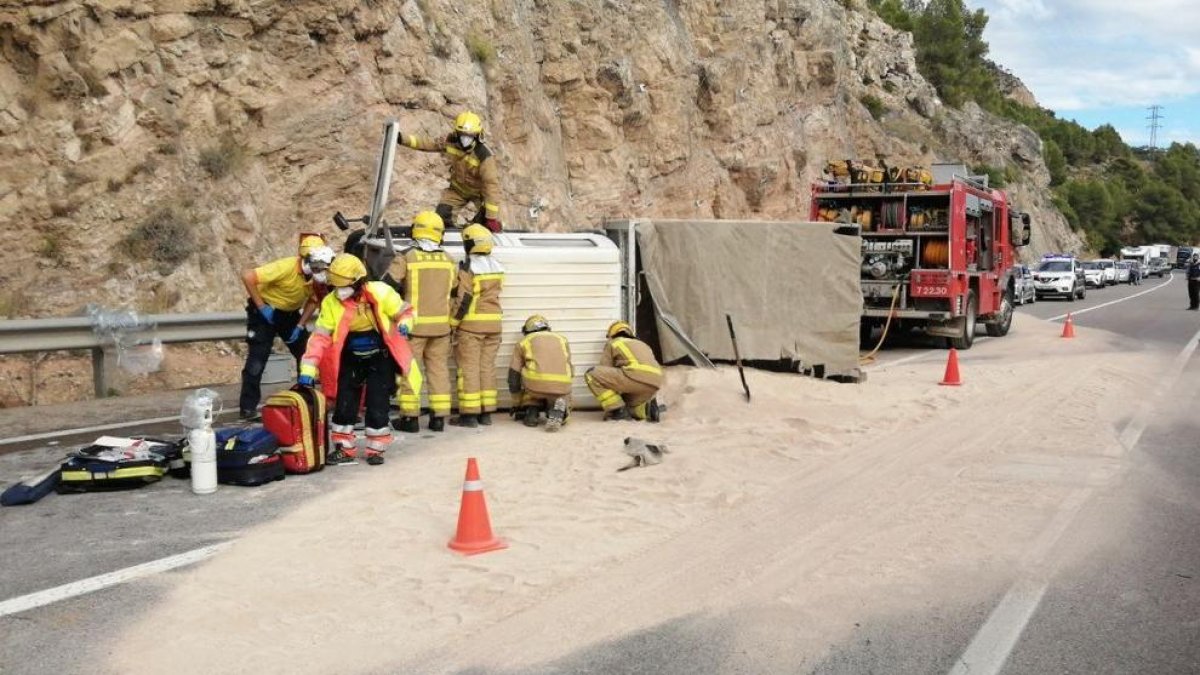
point(203, 443)
point(197, 418)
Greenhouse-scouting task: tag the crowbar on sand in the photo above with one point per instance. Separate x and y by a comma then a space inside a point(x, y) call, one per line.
point(738, 357)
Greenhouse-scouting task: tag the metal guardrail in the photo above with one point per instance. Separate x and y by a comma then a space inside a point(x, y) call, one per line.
point(23, 336)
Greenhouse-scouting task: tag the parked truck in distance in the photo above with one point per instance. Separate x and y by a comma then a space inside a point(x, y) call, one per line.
point(1142, 254)
point(1182, 257)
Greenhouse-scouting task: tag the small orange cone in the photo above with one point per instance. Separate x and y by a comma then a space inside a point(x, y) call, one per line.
point(1069, 328)
point(474, 527)
point(951, 378)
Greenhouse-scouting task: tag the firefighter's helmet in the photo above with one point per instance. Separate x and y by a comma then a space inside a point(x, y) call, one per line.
point(320, 257)
point(469, 123)
point(477, 239)
point(619, 328)
point(346, 270)
point(535, 323)
point(308, 242)
point(428, 225)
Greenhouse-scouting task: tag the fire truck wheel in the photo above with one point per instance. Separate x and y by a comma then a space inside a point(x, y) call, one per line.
point(972, 315)
point(999, 327)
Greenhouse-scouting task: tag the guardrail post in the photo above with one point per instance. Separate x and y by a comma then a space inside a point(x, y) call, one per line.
point(99, 373)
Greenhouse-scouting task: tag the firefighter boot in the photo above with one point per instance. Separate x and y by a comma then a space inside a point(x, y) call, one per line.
point(466, 421)
point(616, 414)
point(557, 414)
point(437, 423)
point(531, 415)
point(485, 419)
point(409, 425)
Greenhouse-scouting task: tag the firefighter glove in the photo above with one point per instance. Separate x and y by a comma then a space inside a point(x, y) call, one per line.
point(267, 312)
point(306, 380)
point(492, 224)
point(514, 381)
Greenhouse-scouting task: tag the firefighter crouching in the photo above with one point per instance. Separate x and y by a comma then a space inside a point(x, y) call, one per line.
point(476, 318)
point(474, 176)
point(628, 377)
point(359, 341)
point(426, 276)
point(280, 301)
point(540, 375)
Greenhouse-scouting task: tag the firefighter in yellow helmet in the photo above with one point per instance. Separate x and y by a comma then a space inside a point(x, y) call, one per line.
point(280, 301)
point(476, 317)
point(426, 276)
point(359, 342)
point(540, 375)
point(628, 377)
point(474, 176)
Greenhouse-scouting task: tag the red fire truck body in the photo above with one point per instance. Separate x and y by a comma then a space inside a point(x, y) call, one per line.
point(939, 256)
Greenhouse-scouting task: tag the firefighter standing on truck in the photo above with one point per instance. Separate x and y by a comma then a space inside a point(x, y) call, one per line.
point(359, 341)
point(474, 176)
point(426, 277)
point(628, 377)
point(280, 301)
point(476, 317)
point(540, 375)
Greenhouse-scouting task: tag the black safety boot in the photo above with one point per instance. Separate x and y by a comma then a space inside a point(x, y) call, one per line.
point(485, 419)
point(409, 425)
point(531, 416)
point(437, 423)
point(617, 414)
point(465, 421)
point(653, 411)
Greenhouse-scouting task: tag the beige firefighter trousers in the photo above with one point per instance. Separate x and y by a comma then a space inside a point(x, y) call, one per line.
point(475, 354)
point(433, 353)
point(613, 388)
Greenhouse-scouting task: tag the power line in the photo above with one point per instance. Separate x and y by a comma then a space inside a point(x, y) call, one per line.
point(1155, 118)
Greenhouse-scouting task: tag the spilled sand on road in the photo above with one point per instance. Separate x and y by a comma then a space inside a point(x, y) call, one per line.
point(361, 579)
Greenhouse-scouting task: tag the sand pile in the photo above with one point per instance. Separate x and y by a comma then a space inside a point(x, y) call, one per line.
point(361, 579)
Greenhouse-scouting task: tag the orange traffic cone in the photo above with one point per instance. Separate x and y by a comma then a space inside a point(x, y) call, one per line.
point(951, 378)
point(474, 527)
point(1069, 328)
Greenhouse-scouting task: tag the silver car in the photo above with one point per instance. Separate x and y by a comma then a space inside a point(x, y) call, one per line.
point(1023, 288)
point(1123, 276)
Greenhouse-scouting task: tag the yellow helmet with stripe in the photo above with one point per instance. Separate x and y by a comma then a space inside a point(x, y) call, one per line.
point(619, 327)
point(346, 270)
point(477, 239)
point(308, 242)
point(534, 324)
point(428, 225)
point(469, 123)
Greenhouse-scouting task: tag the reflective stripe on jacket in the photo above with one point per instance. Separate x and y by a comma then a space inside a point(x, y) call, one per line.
point(473, 173)
point(428, 278)
point(544, 361)
point(634, 358)
point(477, 297)
point(323, 355)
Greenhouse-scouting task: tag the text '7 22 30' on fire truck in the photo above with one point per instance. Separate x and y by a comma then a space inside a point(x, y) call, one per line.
point(937, 256)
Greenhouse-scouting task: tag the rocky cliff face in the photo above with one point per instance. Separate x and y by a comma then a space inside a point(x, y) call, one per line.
point(151, 148)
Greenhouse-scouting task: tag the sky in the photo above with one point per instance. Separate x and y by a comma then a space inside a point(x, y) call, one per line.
point(1105, 61)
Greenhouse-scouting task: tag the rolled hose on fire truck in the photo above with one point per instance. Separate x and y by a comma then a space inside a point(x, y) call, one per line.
point(869, 357)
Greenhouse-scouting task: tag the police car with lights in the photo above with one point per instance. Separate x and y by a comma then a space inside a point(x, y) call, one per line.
point(1060, 274)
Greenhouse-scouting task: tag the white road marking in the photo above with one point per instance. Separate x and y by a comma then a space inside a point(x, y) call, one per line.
point(102, 427)
point(27, 602)
point(991, 646)
point(1113, 302)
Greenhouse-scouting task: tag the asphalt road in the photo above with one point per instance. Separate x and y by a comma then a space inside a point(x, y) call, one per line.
point(1130, 608)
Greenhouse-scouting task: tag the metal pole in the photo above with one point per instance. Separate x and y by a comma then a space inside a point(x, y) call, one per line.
point(99, 373)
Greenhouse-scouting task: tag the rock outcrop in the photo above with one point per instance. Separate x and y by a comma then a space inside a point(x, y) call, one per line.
point(148, 150)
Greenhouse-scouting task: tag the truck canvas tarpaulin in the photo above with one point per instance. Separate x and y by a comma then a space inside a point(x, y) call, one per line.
point(792, 288)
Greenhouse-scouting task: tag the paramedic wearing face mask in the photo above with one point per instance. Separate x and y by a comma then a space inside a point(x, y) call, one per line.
point(359, 343)
point(474, 177)
point(281, 300)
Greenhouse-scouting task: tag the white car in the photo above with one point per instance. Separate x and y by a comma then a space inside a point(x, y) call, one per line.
point(1093, 275)
point(1023, 289)
point(1110, 271)
point(1123, 273)
point(1059, 276)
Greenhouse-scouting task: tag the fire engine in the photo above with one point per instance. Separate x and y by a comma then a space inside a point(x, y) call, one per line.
point(937, 253)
